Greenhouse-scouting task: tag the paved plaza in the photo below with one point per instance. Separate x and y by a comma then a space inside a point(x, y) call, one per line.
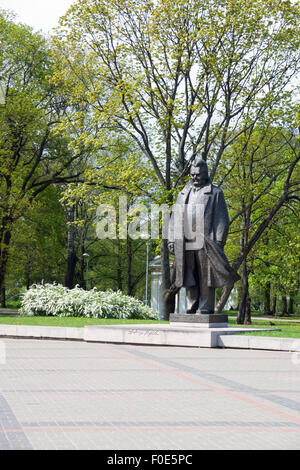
point(77, 395)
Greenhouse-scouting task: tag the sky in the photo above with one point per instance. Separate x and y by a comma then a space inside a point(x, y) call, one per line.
point(40, 14)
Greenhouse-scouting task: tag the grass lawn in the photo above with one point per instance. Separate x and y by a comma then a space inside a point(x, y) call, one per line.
point(288, 329)
point(77, 322)
point(295, 316)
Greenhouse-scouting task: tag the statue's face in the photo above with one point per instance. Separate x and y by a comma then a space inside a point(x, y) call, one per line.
point(199, 175)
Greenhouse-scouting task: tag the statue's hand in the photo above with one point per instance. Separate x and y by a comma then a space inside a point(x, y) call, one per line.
point(171, 247)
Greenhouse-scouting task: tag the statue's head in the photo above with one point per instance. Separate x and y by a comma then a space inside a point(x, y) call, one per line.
point(199, 172)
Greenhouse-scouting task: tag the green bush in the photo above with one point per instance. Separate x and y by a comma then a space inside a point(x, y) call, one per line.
point(57, 300)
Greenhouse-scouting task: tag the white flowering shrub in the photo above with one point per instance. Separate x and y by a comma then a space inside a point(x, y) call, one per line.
point(57, 300)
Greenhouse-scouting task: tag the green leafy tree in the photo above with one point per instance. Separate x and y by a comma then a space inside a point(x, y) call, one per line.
point(276, 264)
point(37, 248)
point(32, 157)
point(114, 263)
point(179, 78)
point(262, 183)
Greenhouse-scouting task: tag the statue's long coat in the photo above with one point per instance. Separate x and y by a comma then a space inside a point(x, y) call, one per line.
point(216, 224)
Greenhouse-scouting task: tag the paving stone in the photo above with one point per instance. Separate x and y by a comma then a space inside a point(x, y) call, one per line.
point(75, 395)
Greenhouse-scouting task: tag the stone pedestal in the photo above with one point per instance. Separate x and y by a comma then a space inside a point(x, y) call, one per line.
point(213, 320)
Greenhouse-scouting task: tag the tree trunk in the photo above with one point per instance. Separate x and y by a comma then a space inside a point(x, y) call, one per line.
point(241, 317)
point(267, 303)
point(129, 266)
point(243, 301)
point(248, 320)
point(239, 289)
point(3, 297)
point(2, 289)
point(223, 299)
point(169, 299)
point(274, 304)
point(4, 241)
point(284, 305)
point(27, 276)
point(82, 268)
point(119, 266)
point(291, 306)
point(71, 268)
point(71, 254)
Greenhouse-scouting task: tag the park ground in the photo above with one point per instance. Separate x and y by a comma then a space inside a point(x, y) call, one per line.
point(76, 395)
point(57, 395)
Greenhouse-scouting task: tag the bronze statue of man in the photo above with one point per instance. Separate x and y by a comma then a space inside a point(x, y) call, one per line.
point(197, 234)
